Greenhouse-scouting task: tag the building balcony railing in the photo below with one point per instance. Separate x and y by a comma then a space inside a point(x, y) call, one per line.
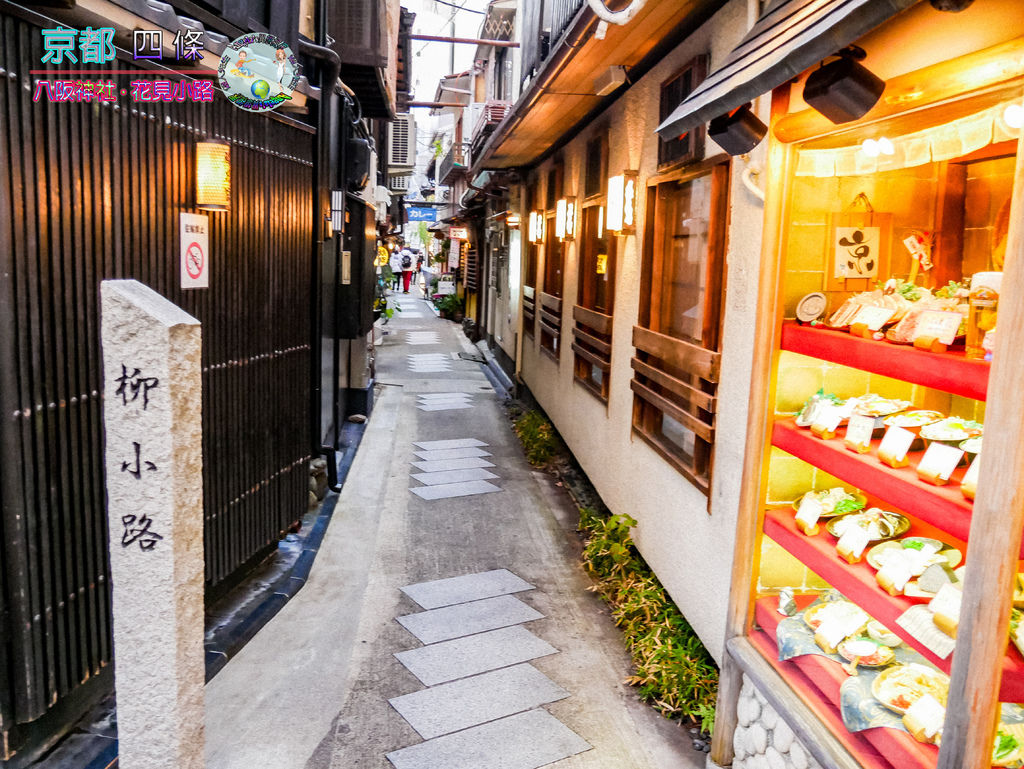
point(454, 162)
point(488, 115)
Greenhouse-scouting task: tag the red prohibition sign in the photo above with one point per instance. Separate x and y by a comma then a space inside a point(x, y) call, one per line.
point(194, 260)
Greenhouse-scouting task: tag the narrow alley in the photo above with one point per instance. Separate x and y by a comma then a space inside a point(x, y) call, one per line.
point(446, 623)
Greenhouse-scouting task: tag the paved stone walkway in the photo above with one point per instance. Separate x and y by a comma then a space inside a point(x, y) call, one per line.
point(446, 623)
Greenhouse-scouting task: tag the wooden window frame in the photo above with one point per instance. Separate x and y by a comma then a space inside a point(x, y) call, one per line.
point(550, 295)
point(531, 252)
point(592, 327)
point(673, 376)
point(590, 191)
point(689, 147)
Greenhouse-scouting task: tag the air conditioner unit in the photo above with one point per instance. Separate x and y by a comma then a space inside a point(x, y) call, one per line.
point(402, 142)
point(399, 183)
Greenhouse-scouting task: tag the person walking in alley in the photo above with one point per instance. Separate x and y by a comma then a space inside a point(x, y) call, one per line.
point(396, 269)
point(407, 269)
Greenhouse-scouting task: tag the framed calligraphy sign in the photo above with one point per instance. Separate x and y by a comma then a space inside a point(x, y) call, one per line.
point(858, 249)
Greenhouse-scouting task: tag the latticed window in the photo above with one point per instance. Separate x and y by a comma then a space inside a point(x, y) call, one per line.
point(690, 146)
point(676, 368)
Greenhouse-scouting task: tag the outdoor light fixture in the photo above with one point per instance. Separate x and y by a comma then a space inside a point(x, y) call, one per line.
point(536, 227)
point(844, 90)
point(213, 176)
point(337, 217)
point(600, 222)
point(737, 132)
point(1013, 116)
point(621, 215)
point(565, 219)
point(875, 147)
point(512, 221)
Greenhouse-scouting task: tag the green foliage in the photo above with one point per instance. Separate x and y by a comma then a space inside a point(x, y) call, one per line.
point(537, 436)
point(448, 303)
point(673, 670)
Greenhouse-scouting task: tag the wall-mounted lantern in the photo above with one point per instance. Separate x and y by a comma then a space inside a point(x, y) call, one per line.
point(565, 219)
point(621, 214)
point(536, 227)
point(512, 221)
point(213, 176)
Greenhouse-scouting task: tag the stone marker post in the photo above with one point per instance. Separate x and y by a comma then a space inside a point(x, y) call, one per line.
point(153, 427)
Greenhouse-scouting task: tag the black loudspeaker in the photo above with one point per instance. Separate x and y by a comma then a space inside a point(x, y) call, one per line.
point(843, 90)
point(357, 164)
point(737, 132)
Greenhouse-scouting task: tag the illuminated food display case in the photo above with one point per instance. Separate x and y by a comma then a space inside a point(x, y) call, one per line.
point(879, 535)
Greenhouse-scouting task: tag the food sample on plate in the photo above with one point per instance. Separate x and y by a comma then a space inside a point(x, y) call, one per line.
point(1007, 750)
point(898, 563)
point(882, 634)
point(971, 445)
point(901, 686)
point(876, 556)
point(878, 523)
point(913, 420)
point(866, 652)
point(834, 501)
point(872, 405)
point(1017, 629)
point(952, 430)
point(805, 416)
point(835, 621)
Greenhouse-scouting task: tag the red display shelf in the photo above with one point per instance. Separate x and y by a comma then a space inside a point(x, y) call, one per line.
point(814, 677)
point(857, 582)
point(816, 680)
point(950, 372)
point(942, 506)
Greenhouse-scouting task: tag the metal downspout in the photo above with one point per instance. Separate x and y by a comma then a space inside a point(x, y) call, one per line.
point(328, 77)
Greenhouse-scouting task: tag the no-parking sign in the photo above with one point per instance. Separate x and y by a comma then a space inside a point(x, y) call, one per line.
point(195, 251)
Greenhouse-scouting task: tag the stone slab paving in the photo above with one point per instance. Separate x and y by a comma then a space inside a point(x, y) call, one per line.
point(476, 700)
point(449, 490)
point(450, 660)
point(435, 454)
point(444, 402)
point(454, 443)
point(468, 618)
point(422, 337)
point(429, 362)
point(524, 741)
point(453, 476)
point(468, 587)
point(439, 465)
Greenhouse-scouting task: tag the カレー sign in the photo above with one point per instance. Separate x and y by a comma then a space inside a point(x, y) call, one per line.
point(195, 250)
point(421, 213)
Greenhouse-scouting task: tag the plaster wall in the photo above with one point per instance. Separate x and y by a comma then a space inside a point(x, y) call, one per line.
point(687, 541)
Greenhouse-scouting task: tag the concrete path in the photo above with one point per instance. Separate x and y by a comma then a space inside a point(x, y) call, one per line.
point(446, 623)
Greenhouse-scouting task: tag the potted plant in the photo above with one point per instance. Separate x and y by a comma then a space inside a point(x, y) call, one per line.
point(448, 305)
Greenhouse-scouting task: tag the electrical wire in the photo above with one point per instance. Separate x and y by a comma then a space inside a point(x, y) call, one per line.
point(451, 17)
point(460, 7)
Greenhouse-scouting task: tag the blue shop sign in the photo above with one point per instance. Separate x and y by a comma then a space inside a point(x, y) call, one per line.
point(421, 213)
